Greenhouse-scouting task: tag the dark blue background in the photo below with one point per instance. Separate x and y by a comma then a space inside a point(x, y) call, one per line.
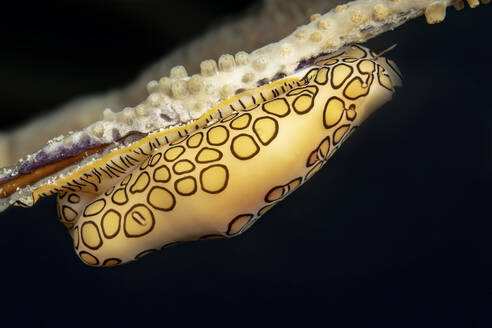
point(394, 231)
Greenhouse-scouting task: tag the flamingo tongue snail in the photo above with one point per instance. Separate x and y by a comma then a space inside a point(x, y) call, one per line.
point(217, 180)
point(249, 152)
point(206, 156)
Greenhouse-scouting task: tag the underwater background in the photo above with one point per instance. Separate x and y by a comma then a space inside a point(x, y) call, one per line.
point(394, 231)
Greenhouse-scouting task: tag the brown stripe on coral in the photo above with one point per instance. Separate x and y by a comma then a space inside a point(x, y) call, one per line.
point(21, 181)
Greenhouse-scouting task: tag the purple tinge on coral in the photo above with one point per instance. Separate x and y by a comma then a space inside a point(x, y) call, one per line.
point(305, 63)
point(310, 61)
point(63, 151)
point(5, 179)
point(261, 82)
point(278, 76)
